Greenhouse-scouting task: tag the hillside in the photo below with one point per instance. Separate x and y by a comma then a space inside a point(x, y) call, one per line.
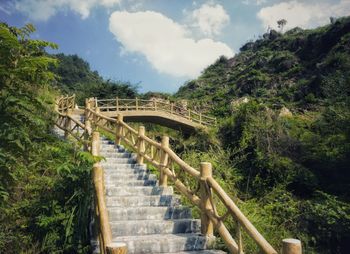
point(283, 141)
point(299, 69)
point(74, 75)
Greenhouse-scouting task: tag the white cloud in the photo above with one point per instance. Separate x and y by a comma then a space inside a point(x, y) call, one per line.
point(303, 14)
point(44, 9)
point(209, 19)
point(165, 43)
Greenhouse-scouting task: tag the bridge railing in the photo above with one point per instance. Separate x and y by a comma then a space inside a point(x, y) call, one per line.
point(137, 104)
point(64, 104)
point(172, 167)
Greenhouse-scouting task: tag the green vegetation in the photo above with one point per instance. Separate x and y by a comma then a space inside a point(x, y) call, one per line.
point(75, 76)
point(284, 151)
point(44, 182)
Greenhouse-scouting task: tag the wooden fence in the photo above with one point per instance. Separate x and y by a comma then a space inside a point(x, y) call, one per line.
point(171, 167)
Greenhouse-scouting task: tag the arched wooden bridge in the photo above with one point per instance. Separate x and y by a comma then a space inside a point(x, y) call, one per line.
point(153, 111)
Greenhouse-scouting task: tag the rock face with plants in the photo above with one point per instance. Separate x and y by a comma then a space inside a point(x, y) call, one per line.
point(286, 149)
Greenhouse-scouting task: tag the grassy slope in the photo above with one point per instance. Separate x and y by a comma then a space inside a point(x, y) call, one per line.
point(291, 172)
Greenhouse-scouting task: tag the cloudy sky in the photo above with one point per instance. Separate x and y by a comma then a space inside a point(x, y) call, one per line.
point(160, 44)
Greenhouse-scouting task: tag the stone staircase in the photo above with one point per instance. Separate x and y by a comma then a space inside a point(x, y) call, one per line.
point(145, 216)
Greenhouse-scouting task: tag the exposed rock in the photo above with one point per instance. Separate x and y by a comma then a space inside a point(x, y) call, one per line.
point(285, 112)
point(236, 103)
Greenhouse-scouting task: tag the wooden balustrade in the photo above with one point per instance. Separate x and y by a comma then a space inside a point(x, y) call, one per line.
point(172, 168)
point(137, 104)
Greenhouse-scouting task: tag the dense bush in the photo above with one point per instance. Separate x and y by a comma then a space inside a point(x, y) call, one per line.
point(44, 182)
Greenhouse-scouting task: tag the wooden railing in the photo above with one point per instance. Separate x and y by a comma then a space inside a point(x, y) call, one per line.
point(137, 104)
point(63, 104)
point(205, 194)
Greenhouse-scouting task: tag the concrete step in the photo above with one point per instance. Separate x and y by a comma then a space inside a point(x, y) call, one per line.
point(112, 165)
point(115, 154)
point(119, 160)
point(139, 191)
point(148, 227)
point(149, 213)
point(122, 183)
point(163, 243)
point(137, 201)
point(125, 171)
point(130, 176)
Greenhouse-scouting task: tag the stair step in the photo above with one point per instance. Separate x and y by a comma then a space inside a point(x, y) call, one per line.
point(112, 165)
point(119, 160)
point(163, 243)
point(115, 154)
point(148, 227)
point(128, 176)
point(122, 182)
point(139, 190)
point(149, 213)
point(135, 201)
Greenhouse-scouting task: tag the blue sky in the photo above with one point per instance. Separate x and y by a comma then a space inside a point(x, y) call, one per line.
point(160, 44)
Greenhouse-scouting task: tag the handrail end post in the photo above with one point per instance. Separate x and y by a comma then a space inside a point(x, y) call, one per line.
point(291, 246)
point(119, 133)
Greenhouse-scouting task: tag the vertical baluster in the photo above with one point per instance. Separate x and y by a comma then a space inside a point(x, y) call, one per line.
point(119, 132)
point(239, 239)
point(117, 103)
point(140, 145)
point(137, 103)
point(163, 162)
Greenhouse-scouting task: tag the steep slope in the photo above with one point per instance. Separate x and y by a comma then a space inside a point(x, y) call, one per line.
point(300, 69)
point(284, 133)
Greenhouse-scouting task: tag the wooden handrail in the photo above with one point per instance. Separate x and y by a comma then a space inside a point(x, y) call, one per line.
point(134, 139)
point(167, 162)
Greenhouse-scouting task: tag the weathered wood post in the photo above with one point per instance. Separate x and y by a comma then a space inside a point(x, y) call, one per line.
point(205, 195)
point(155, 104)
point(200, 118)
point(140, 145)
point(67, 124)
point(117, 103)
point(189, 114)
point(117, 248)
point(119, 132)
point(163, 181)
point(98, 176)
point(172, 108)
point(291, 246)
point(137, 103)
point(88, 130)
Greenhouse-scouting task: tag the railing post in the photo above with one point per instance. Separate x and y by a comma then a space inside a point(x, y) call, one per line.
point(87, 121)
point(117, 103)
point(137, 104)
point(163, 181)
point(291, 246)
point(67, 125)
point(200, 118)
point(119, 133)
point(189, 114)
point(98, 176)
point(155, 104)
point(172, 108)
point(205, 195)
point(140, 145)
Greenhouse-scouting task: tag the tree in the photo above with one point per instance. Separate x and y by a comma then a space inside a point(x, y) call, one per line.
point(281, 23)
